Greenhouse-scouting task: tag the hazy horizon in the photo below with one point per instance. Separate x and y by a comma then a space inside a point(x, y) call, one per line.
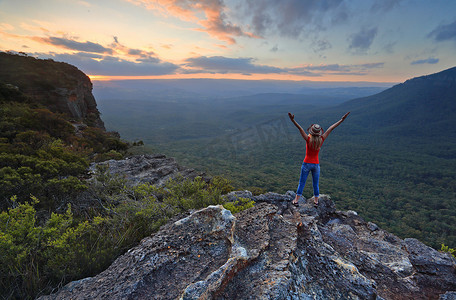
point(225, 88)
point(348, 41)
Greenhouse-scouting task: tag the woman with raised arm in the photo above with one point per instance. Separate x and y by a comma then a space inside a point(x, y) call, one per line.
point(314, 140)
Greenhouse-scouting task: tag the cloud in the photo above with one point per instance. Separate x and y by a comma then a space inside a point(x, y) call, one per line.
point(371, 65)
point(335, 69)
point(429, 60)
point(9, 35)
point(73, 45)
point(320, 45)
point(389, 47)
point(384, 5)
point(137, 54)
point(293, 18)
point(6, 26)
point(246, 66)
point(115, 59)
point(215, 21)
point(362, 40)
point(332, 67)
point(289, 18)
point(444, 32)
point(84, 3)
point(303, 71)
point(109, 65)
point(223, 65)
point(36, 26)
point(114, 49)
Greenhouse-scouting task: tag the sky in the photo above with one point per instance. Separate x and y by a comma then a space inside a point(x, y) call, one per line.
point(316, 40)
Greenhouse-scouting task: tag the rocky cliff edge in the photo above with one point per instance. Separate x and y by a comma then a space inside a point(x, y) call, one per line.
point(59, 86)
point(272, 251)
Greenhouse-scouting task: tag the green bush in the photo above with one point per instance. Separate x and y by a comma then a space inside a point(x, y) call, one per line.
point(37, 258)
point(257, 190)
point(452, 251)
point(187, 194)
point(239, 205)
point(38, 255)
point(41, 154)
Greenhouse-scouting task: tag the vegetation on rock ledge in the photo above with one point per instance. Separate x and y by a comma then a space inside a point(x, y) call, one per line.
point(43, 155)
point(37, 258)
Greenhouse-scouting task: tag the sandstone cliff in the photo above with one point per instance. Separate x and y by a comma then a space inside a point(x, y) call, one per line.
point(273, 251)
point(58, 86)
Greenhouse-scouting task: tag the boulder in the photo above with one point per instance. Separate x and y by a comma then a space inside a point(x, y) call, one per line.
point(263, 252)
point(148, 168)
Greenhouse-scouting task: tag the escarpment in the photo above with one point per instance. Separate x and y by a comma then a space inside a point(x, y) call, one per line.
point(59, 86)
point(272, 251)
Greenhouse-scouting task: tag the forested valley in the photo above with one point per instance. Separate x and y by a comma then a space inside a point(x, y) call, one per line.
point(59, 221)
point(392, 160)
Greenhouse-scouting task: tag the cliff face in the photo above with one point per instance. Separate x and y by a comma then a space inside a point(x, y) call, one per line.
point(58, 86)
point(273, 251)
point(76, 101)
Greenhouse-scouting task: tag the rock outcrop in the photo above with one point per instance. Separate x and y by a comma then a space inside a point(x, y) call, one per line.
point(59, 86)
point(78, 100)
point(272, 251)
point(148, 168)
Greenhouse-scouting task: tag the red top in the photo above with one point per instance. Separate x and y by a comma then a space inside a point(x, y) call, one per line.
point(312, 154)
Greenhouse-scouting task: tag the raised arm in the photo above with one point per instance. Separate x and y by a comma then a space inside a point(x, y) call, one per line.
point(303, 133)
point(328, 131)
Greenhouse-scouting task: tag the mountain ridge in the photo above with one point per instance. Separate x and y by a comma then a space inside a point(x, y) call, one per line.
point(226, 88)
point(320, 253)
point(418, 103)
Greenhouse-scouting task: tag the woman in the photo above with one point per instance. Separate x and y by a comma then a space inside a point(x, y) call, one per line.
point(314, 140)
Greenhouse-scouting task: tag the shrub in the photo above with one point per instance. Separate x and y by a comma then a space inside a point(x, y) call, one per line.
point(39, 256)
point(239, 205)
point(256, 190)
point(452, 251)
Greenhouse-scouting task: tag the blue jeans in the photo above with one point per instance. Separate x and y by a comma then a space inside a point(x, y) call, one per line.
point(305, 169)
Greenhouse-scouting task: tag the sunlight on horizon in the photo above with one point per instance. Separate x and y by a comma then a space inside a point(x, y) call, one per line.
point(294, 40)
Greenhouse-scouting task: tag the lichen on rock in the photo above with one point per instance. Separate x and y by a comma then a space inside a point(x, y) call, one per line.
point(272, 251)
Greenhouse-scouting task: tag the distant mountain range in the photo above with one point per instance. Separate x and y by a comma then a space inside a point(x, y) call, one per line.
point(45, 153)
point(228, 88)
point(392, 160)
point(422, 105)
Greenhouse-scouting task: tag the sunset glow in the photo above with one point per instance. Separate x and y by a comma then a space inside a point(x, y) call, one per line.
point(378, 41)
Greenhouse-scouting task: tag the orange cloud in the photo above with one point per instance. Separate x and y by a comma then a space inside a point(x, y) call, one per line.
point(41, 27)
point(138, 55)
point(5, 26)
point(215, 23)
point(84, 3)
point(8, 35)
point(167, 46)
